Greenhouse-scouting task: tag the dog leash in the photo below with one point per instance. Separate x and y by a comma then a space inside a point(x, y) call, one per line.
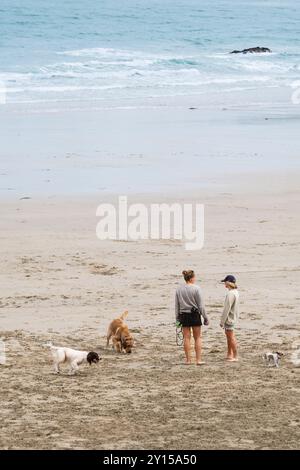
point(179, 334)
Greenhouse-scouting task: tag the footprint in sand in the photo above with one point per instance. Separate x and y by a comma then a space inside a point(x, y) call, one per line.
point(103, 269)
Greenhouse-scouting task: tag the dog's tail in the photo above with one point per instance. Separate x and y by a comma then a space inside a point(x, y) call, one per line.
point(117, 331)
point(124, 315)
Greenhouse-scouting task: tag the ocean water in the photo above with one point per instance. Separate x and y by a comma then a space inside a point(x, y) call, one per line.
point(114, 50)
point(111, 59)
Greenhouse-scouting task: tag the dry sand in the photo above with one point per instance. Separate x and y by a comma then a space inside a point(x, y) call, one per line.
point(59, 283)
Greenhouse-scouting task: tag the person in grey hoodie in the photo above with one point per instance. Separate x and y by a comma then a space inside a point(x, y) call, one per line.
point(189, 308)
point(230, 316)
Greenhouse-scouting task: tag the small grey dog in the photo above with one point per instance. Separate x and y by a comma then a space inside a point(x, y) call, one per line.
point(272, 358)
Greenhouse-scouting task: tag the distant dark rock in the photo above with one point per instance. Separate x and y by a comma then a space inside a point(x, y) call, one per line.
point(253, 50)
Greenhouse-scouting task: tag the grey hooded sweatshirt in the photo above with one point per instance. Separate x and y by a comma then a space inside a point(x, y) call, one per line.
point(188, 296)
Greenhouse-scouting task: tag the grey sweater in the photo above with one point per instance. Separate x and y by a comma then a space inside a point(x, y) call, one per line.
point(231, 308)
point(188, 296)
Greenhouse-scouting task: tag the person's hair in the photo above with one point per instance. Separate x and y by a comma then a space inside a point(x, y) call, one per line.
point(188, 275)
point(232, 285)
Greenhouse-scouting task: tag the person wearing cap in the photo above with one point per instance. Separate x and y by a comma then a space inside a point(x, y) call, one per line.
point(230, 316)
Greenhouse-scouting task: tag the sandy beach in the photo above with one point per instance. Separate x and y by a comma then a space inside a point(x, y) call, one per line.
point(60, 283)
point(157, 102)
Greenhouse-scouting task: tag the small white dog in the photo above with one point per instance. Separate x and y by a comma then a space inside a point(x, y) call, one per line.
point(272, 358)
point(72, 357)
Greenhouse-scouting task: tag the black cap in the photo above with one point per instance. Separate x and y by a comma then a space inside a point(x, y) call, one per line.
point(229, 278)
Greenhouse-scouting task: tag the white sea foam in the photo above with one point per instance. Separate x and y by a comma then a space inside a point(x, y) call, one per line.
point(96, 72)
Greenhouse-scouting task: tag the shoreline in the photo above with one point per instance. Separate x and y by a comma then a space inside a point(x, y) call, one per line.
point(263, 98)
point(145, 151)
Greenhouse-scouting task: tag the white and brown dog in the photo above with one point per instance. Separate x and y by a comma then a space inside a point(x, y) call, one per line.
point(120, 334)
point(72, 357)
point(272, 358)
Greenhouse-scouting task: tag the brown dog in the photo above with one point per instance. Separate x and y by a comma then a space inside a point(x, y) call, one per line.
point(121, 337)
